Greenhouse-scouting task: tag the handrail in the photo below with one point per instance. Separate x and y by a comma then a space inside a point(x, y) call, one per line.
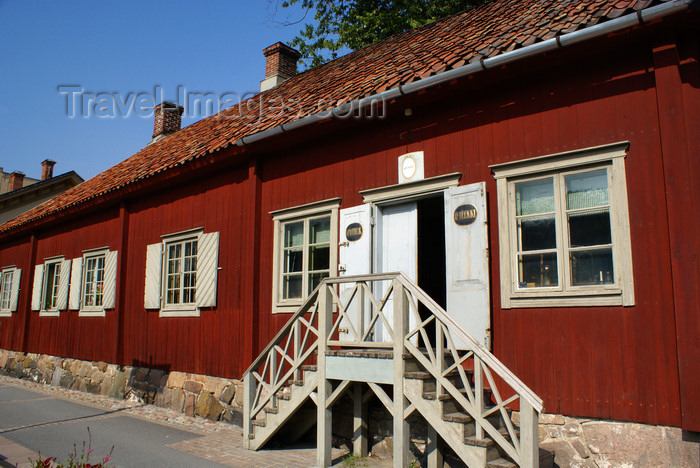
point(483, 354)
point(285, 329)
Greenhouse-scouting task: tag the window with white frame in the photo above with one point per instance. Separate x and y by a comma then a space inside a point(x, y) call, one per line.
point(51, 281)
point(305, 249)
point(181, 273)
point(93, 282)
point(564, 230)
point(9, 290)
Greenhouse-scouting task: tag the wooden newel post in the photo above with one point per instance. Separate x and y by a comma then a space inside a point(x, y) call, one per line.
point(248, 392)
point(401, 430)
point(323, 413)
point(529, 436)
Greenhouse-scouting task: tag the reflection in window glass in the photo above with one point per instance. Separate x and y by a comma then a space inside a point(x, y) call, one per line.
point(52, 272)
point(305, 256)
point(181, 274)
point(5, 289)
point(93, 281)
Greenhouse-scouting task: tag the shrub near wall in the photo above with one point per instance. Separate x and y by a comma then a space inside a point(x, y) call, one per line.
point(212, 398)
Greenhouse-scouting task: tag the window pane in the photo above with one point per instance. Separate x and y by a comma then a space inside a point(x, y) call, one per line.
point(534, 197)
point(319, 230)
point(293, 261)
point(292, 287)
point(538, 270)
point(294, 234)
point(315, 279)
point(587, 190)
point(537, 233)
point(589, 228)
point(319, 258)
point(592, 267)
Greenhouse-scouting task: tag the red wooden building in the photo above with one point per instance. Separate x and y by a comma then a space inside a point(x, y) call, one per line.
point(564, 134)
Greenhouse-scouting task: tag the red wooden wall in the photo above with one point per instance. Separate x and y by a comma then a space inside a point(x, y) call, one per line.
point(608, 362)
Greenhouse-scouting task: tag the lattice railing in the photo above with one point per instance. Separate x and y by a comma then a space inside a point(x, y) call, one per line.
point(466, 371)
point(281, 362)
point(370, 311)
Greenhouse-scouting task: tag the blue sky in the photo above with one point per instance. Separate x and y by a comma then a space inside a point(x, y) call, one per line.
point(120, 49)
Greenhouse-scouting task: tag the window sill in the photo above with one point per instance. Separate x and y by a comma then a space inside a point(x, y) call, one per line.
point(287, 307)
point(5, 313)
point(91, 313)
point(589, 300)
point(49, 313)
point(179, 312)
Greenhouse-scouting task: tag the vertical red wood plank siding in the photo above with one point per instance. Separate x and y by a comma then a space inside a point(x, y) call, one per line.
point(681, 171)
point(18, 253)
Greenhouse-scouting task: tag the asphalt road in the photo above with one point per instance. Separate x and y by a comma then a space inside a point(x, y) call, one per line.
point(51, 426)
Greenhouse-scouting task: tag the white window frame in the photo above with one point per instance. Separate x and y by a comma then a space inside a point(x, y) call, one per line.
point(621, 292)
point(179, 309)
point(53, 311)
point(206, 274)
point(294, 214)
point(7, 290)
point(96, 256)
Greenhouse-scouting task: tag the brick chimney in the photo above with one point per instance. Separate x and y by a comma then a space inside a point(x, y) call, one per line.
point(16, 180)
point(168, 118)
point(47, 169)
point(280, 64)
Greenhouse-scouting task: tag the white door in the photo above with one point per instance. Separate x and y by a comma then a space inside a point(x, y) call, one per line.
point(355, 258)
point(396, 249)
point(466, 247)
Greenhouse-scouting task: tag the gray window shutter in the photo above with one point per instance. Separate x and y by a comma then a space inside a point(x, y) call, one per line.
point(207, 263)
point(154, 265)
point(110, 280)
point(63, 284)
point(76, 284)
point(14, 289)
point(36, 290)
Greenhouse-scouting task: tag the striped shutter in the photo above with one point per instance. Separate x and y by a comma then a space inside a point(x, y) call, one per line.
point(76, 283)
point(207, 264)
point(36, 290)
point(63, 284)
point(110, 280)
point(154, 265)
point(14, 289)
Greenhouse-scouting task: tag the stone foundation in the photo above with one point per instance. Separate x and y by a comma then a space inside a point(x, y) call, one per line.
point(212, 398)
point(581, 442)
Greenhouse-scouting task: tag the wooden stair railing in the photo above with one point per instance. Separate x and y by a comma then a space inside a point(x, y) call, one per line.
point(461, 380)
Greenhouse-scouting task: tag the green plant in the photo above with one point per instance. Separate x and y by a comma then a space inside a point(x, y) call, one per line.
point(351, 460)
point(74, 459)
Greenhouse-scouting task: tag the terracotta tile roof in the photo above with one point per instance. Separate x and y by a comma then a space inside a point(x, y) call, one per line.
point(497, 27)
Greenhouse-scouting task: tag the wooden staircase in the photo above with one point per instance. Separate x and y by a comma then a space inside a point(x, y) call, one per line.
point(465, 395)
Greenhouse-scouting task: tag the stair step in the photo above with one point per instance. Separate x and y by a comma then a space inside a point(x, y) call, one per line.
point(309, 367)
point(457, 417)
point(271, 410)
point(284, 396)
point(500, 463)
point(489, 442)
point(258, 422)
point(424, 375)
point(443, 397)
point(446, 396)
point(298, 383)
